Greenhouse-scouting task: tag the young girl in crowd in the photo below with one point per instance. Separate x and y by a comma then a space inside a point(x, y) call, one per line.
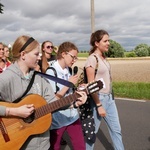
point(3, 64)
point(6, 55)
point(65, 120)
point(104, 106)
point(16, 78)
point(47, 49)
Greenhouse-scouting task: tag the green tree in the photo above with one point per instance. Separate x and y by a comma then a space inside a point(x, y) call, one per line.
point(142, 50)
point(115, 50)
point(149, 51)
point(1, 8)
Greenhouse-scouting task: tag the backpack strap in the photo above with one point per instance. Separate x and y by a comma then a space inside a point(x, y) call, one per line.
point(55, 74)
point(96, 68)
point(61, 81)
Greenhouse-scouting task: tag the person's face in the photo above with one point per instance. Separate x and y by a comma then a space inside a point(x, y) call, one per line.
point(103, 44)
point(48, 47)
point(70, 57)
point(32, 58)
point(1, 51)
point(6, 52)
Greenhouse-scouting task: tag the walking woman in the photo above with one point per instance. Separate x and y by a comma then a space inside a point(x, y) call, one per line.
point(104, 106)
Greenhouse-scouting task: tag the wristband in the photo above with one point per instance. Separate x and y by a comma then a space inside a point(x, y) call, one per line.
point(74, 105)
point(7, 111)
point(99, 106)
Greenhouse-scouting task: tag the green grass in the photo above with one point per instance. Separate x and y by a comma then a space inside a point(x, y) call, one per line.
point(132, 90)
point(83, 54)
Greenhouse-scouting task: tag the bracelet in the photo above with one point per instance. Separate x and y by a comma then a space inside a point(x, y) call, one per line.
point(74, 105)
point(99, 106)
point(7, 111)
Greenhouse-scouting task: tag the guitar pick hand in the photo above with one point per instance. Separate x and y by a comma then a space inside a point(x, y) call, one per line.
point(22, 111)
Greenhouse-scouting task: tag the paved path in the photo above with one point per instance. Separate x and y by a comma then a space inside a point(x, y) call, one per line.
point(135, 122)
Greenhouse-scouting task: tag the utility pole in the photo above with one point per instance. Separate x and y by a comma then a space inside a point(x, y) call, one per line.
point(92, 16)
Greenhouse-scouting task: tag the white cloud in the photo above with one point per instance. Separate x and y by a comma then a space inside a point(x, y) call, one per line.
point(126, 21)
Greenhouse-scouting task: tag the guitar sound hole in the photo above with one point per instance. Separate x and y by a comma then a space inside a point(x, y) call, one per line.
point(29, 119)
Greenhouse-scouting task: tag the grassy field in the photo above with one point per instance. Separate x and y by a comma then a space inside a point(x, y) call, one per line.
point(131, 76)
point(134, 90)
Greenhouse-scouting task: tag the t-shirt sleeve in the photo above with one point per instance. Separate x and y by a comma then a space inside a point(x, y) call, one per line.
point(91, 62)
point(2, 110)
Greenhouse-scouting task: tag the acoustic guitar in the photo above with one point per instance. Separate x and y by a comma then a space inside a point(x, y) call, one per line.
point(14, 131)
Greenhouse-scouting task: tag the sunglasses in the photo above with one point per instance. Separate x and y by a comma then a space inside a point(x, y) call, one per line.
point(48, 47)
point(1, 48)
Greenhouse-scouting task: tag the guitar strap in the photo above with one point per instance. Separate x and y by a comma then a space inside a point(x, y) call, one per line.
point(56, 79)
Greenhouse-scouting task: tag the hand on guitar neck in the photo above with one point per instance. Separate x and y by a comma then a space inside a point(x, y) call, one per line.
point(81, 100)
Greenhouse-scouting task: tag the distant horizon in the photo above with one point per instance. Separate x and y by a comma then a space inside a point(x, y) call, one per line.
point(11, 44)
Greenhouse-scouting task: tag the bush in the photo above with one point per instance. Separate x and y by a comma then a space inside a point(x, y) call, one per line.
point(142, 50)
point(149, 51)
point(131, 54)
point(115, 50)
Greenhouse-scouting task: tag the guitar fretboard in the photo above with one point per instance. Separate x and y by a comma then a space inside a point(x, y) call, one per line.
point(51, 107)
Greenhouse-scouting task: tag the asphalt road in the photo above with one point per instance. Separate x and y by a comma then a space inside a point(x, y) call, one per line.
point(135, 123)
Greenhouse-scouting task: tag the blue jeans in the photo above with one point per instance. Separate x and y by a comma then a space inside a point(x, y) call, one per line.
point(111, 119)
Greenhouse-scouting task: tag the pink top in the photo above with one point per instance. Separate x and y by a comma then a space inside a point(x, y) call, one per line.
point(103, 71)
point(6, 65)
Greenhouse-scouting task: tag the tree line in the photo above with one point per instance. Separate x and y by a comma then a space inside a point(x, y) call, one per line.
point(116, 50)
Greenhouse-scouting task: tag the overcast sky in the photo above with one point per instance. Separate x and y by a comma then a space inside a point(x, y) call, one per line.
point(127, 21)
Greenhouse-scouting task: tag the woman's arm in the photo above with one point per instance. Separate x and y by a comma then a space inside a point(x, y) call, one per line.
point(22, 111)
point(63, 91)
point(90, 71)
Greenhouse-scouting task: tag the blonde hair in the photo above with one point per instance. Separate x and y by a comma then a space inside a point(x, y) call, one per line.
point(19, 44)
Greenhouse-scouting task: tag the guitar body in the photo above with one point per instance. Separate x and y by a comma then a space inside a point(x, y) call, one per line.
point(17, 129)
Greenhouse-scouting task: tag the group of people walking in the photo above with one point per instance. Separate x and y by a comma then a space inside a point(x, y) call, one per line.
point(26, 57)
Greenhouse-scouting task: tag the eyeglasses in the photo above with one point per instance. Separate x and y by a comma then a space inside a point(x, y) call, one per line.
point(1, 48)
point(73, 57)
point(50, 47)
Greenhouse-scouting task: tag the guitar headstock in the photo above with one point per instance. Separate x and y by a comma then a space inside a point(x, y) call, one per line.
point(92, 87)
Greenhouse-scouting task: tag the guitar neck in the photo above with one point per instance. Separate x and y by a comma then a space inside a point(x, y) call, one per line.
point(66, 101)
point(53, 106)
